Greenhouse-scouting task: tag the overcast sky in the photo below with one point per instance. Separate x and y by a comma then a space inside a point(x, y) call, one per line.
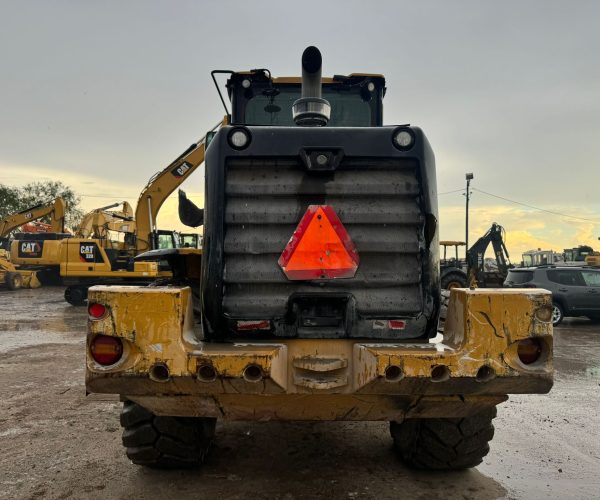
point(101, 95)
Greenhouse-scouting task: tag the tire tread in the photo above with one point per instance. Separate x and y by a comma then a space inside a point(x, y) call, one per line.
point(444, 443)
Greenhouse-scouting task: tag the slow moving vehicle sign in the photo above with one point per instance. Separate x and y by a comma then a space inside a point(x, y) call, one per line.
point(320, 248)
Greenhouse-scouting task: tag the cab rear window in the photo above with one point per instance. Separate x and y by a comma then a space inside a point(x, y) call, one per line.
point(518, 277)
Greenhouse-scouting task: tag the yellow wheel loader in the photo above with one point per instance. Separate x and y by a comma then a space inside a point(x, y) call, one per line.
point(14, 278)
point(318, 292)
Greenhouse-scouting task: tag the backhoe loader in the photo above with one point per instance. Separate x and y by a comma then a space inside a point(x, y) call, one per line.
point(85, 262)
point(318, 291)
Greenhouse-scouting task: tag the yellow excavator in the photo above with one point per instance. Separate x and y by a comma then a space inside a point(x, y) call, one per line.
point(12, 276)
point(56, 211)
point(85, 262)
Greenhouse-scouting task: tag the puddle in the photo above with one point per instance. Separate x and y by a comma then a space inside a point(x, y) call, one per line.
point(25, 338)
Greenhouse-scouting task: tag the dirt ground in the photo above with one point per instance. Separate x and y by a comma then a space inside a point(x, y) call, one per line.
point(57, 443)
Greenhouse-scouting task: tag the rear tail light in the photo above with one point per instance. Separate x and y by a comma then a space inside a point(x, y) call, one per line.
point(246, 326)
point(96, 311)
point(529, 350)
point(396, 324)
point(106, 350)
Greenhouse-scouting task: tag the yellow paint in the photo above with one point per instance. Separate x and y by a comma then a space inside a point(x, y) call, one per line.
point(239, 380)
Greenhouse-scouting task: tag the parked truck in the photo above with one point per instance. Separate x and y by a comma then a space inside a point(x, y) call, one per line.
point(318, 291)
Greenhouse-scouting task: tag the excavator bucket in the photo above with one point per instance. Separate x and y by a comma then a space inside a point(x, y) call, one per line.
point(189, 213)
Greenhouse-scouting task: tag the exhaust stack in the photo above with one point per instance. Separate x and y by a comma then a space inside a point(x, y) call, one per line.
point(311, 110)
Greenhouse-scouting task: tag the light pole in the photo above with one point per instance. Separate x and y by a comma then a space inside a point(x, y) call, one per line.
point(469, 177)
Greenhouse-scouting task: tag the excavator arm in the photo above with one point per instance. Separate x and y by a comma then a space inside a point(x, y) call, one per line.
point(56, 210)
point(95, 223)
point(476, 254)
point(160, 187)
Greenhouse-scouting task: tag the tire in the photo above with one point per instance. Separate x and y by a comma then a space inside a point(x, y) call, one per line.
point(165, 442)
point(444, 443)
point(14, 281)
point(444, 301)
point(558, 314)
point(76, 295)
point(453, 280)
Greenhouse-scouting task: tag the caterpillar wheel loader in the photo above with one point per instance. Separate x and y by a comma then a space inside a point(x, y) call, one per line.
point(318, 291)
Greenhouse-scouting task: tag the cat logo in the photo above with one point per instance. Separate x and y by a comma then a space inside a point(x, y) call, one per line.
point(181, 170)
point(31, 249)
point(87, 252)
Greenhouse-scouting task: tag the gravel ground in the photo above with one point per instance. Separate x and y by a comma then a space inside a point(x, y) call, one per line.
point(57, 443)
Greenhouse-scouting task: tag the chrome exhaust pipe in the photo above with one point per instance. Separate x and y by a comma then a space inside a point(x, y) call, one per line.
point(311, 110)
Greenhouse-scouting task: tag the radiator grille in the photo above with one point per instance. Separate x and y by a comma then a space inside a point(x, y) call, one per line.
point(377, 200)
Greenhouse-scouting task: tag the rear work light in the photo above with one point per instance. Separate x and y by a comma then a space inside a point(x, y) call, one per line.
point(96, 311)
point(320, 248)
point(106, 350)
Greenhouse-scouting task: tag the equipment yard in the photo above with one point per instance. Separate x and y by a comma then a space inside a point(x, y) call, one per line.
point(58, 443)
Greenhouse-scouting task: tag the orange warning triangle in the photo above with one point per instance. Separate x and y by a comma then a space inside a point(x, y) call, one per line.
point(320, 248)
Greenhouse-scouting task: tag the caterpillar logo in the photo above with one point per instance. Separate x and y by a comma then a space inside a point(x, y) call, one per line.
point(87, 252)
point(31, 249)
point(181, 170)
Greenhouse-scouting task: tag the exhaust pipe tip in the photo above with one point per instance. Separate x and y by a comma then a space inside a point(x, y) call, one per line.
point(311, 110)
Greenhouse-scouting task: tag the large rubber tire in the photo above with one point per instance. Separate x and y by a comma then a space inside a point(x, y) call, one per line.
point(453, 280)
point(444, 443)
point(165, 442)
point(14, 281)
point(558, 314)
point(444, 302)
point(76, 295)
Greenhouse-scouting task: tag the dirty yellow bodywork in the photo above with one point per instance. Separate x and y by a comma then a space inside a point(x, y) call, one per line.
point(169, 369)
point(50, 255)
point(72, 266)
point(29, 278)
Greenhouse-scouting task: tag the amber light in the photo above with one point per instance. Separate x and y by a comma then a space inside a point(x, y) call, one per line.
point(106, 350)
point(529, 350)
point(96, 311)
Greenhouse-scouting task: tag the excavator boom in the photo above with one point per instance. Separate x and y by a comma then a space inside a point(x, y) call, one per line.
point(56, 210)
point(160, 187)
point(95, 223)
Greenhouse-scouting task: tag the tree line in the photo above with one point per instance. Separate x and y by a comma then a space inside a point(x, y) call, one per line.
point(16, 199)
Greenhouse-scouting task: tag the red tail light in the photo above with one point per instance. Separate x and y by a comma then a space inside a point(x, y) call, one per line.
point(96, 311)
point(320, 248)
point(106, 350)
point(396, 324)
point(246, 326)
